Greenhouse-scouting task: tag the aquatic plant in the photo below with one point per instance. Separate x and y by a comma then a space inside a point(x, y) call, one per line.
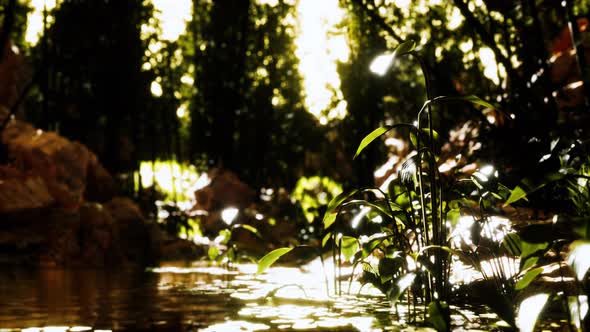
point(401, 239)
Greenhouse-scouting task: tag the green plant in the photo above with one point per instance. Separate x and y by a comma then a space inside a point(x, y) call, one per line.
point(401, 239)
point(226, 249)
point(406, 228)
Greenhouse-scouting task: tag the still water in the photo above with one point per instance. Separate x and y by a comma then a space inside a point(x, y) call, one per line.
point(193, 297)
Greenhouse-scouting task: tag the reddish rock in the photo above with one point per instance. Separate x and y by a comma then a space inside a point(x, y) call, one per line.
point(135, 237)
point(225, 190)
point(69, 169)
point(100, 185)
point(19, 191)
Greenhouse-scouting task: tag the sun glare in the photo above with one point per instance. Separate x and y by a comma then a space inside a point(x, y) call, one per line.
point(35, 19)
point(172, 178)
point(320, 45)
point(491, 68)
point(173, 16)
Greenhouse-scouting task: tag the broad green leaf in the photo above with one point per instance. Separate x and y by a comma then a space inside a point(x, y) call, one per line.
point(529, 262)
point(528, 278)
point(270, 258)
point(528, 249)
point(439, 315)
point(213, 253)
point(453, 216)
point(404, 48)
point(331, 213)
point(349, 247)
point(516, 194)
point(529, 311)
point(370, 138)
point(377, 133)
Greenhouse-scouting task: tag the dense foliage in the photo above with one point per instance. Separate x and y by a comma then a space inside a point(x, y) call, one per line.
point(228, 94)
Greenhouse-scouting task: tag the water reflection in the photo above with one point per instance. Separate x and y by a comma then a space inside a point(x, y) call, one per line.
point(60, 299)
point(190, 298)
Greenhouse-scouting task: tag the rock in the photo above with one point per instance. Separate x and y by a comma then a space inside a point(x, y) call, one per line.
point(51, 212)
point(85, 237)
point(225, 190)
point(19, 191)
point(100, 185)
point(68, 168)
point(134, 234)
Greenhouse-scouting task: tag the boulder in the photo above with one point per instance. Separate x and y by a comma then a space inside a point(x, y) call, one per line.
point(224, 190)
point(135, 237)
point(20, 191)
point(71, 172)
point(58, 207)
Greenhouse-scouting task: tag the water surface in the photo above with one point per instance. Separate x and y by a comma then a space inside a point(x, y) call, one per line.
point(193, 297)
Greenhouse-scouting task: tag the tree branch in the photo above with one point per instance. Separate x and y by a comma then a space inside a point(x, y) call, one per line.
point(375, 18)
point(486, 38)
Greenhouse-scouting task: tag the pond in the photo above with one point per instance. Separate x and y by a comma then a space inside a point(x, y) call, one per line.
point(198, 297)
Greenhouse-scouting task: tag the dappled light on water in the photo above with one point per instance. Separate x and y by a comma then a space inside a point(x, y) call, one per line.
point(200, 297)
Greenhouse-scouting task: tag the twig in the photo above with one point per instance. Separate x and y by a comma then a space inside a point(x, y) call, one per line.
point(486, 38)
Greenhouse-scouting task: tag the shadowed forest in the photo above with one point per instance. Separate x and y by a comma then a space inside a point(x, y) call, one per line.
point(269, 164)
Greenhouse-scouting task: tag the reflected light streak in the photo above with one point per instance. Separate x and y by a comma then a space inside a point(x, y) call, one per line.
point(529, 311)
point(55, 328)
point(578, 306)
point(357, 219)
point(495, 228)
point(579, 259)
point(318, 47)
point(236, 325)
point(228, 215)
